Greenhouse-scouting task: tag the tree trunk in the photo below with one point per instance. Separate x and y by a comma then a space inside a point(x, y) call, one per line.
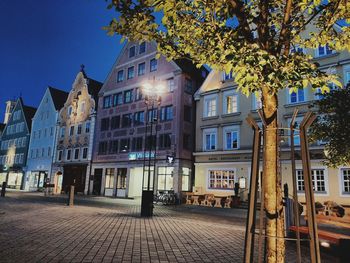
point(272, 185)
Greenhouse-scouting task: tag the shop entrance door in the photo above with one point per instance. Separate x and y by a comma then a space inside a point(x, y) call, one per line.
point(96, 190)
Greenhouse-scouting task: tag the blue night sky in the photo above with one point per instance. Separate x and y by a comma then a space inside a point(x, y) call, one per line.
point(44, 43)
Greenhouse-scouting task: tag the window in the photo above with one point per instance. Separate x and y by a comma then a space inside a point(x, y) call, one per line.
point(87, 127)
point(85, 152)
point(139, 118)
point(186, 174)
point(128, 96)
point(165, 178)
point(63, 131)
point(132, 51)
point(210, 106)
point(187, 141)
point(76, 153)
point(39, 134)
point(102, 148)
point(226, 76)
point(115, 122)
point(71, 131)
point(166, 113)
point(171, 85)
point(142, 48)
point(126, 120)
point(45, 132)
point(345, 180)
point(69, 111)
point(296, 97)
point(49, 151)
point(318, 92)
point(153, 65)
point(346, 73)
point(221, 179)
point(298, 120)
point(42, 152)
point(113, 146)
point(82, 107)
point(120, 76)
point(107, 102)
point(323, 51)
point(24, 141)
point(188, 85)
point(141, 69)
point(318, 180)
point(165, 141)
point(118, 99)
point(230, 102)
point(124, 145)
point(136, 144)
point(37, 153)
point(138, 94)
point(80, 126)
point(151, 142)
point(69, 152)
point(209, 139)
point(297, 49)
point(104, 124)
point(131, 72)
point(187, 113)
point(231, 138)
point(109, 177)
point(152, 115)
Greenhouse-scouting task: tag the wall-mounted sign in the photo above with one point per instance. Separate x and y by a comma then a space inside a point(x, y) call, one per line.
point(140, 155)
point(170, 159)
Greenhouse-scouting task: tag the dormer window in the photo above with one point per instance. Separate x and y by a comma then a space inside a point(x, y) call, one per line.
point(324, 51)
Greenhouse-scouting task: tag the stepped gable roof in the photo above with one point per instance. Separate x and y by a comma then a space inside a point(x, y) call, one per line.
point(94, 86)
point(59, 97)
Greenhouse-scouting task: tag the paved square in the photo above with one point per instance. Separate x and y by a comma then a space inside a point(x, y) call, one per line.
point(38, 229)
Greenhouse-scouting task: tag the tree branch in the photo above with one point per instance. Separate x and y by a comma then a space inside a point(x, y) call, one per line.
point(283, 37)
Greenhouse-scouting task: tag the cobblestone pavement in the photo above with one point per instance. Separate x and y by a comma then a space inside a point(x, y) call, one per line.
point(38, 229)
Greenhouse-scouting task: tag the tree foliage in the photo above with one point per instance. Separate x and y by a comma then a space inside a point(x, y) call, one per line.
point(333, 126)
point(251, 38)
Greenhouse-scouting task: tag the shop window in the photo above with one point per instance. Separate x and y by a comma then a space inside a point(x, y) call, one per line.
point(165, 178)
point(221, 179)
point(186, 176)
point(109, 178)
point(121, 178)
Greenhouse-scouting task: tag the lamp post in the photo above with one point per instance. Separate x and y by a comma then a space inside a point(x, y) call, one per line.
point(152, 100)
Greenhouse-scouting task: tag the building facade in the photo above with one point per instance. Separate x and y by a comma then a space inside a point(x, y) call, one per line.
point(14, 145)
point(120, 142)
point(75, 132)
point(224, 138)
point(43, 138)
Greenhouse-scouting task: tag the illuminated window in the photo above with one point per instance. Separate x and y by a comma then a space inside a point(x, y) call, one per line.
point(210, 105)
point(221, 179)
point(165, 178)
point(109, 178)
point(230, 102)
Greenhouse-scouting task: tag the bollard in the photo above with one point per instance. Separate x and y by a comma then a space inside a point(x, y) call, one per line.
point(71, 196)
point(3, 189)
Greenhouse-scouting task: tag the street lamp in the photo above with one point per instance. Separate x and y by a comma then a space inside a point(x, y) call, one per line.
point(153, 95)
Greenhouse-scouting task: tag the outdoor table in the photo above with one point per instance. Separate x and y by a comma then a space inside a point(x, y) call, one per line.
point(218, 201)
point(195, 200)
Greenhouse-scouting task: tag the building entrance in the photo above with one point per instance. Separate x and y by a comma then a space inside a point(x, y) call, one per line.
point(96, 190)
point(74, 175)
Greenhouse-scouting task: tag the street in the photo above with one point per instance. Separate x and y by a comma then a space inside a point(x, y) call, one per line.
point(35, 228)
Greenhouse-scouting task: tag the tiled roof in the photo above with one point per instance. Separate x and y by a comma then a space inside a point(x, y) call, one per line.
point(59, 97)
